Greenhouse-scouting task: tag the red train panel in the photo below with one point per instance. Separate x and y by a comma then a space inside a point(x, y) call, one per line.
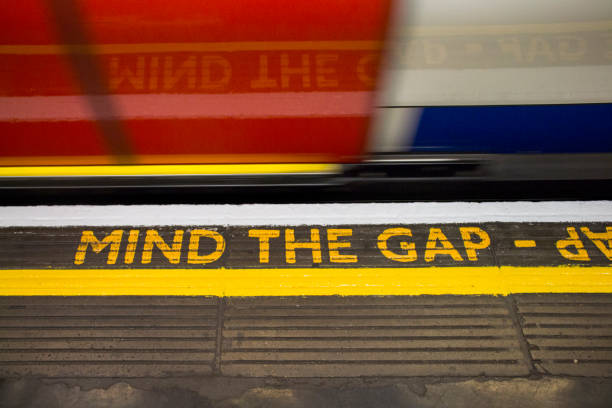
point(104, 81)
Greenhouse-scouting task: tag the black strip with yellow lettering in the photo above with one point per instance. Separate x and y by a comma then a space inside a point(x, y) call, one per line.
point(355, 246)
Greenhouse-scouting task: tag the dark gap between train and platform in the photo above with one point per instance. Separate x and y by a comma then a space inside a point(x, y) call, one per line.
point(364, 191)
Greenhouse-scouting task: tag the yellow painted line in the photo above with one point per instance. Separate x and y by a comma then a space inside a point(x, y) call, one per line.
point(524, 243)
point(167, 170)
point(52, 49)
point(503, 29)
point(307, 281)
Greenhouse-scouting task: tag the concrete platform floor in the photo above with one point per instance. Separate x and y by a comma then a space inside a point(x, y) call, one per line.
point(218, 392)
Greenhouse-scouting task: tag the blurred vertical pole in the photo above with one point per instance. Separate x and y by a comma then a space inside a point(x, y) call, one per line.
point(74, 37)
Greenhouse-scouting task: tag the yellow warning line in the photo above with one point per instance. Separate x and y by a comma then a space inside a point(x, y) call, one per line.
point(166, 169)
point(307, 281)
point(51, 49)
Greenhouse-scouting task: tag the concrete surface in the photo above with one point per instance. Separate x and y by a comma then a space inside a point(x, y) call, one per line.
point(240, 393)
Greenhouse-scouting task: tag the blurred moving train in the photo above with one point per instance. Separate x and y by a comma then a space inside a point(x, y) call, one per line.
point(259, 92)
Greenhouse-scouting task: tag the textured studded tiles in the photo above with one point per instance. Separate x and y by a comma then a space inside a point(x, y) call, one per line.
point(107, 336)
point(568, 334)
point(370, 336)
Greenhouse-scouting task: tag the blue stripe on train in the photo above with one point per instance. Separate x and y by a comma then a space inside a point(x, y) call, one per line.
point(515, 129)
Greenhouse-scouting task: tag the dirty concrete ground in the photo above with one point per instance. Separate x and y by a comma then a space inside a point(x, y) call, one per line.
point(543, 392)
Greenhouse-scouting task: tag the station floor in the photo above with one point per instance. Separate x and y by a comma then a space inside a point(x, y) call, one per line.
point(420, 306)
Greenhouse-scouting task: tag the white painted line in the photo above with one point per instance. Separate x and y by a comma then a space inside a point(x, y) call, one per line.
point(308, 214)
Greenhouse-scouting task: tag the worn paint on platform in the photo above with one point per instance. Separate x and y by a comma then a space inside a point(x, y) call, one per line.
point(308, 260)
